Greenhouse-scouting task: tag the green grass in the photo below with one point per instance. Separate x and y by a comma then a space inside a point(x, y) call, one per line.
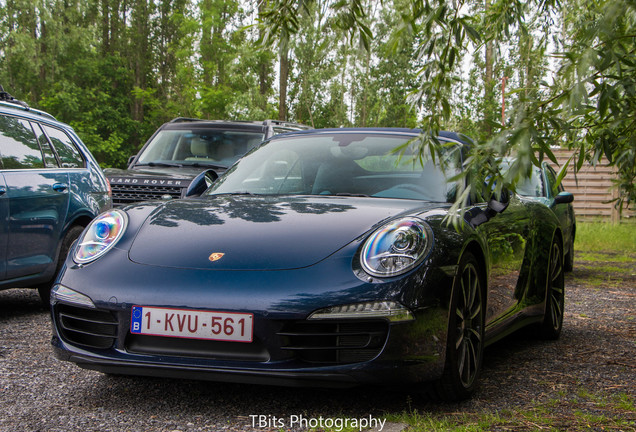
point(599, 236)
point(585, 410)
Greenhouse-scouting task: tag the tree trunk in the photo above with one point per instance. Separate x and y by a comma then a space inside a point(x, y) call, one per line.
point(284, 77)
point(488, 79)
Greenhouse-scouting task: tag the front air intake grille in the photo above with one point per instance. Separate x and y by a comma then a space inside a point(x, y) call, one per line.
point(211, 349)
point(128, 193)
point(87, 327)
point(339, 342)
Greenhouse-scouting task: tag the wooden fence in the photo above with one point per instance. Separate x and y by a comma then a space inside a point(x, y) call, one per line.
point(593, 192)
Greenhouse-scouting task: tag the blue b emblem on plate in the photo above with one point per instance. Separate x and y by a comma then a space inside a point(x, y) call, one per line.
point(135, 322)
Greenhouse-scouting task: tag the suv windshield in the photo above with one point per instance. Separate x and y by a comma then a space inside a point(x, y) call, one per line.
point(345, 164)
point(198, 147)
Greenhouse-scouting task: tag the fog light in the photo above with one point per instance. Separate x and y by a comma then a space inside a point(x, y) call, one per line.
point(60, 293)
point(390, 310)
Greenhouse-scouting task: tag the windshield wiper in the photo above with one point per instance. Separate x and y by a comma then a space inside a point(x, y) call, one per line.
point(161, 164)
point(349, 194)
point(205, 164)
point(234, 193)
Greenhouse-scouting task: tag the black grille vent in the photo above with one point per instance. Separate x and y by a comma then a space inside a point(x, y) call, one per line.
point(87, 327)
point(127, 193)
point(334, 342)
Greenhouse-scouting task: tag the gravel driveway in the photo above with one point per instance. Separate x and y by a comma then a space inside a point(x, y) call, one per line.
point(596, 354)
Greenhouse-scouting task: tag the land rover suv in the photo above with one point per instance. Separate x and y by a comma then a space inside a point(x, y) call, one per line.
point(51, 187)
point(184, 148)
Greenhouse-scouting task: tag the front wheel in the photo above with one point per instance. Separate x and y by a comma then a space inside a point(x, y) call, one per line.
point(465, 342)
point(555, 295)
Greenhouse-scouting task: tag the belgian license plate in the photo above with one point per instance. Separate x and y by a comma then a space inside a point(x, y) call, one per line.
point(192, 324)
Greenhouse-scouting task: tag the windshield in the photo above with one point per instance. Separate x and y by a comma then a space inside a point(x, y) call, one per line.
point(341, 163)
point(198, 147)
point(527, 186)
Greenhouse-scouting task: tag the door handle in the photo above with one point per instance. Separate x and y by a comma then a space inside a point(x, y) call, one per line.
point(60, 187)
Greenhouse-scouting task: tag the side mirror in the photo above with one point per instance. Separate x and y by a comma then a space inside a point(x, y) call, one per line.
point(477, 216)
point(499, 204)
point(131, 159)
point(200, 183)
point(563, 198)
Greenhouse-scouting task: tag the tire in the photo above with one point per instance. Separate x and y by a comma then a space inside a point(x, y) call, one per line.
point(555, 294)
point(465, 342)
point(71, 235)
point(568, 261)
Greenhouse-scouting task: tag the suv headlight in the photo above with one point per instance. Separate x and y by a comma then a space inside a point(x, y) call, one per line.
point(100, 236)
point(396, 247)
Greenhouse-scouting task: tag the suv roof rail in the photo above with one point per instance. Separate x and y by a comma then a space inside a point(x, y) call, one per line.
point(281, 123)
point(6, 97)
point(184, 119)
point(7, 100)
point(286, 124)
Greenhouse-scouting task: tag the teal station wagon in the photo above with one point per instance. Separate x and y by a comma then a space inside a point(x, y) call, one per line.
point(51, 187)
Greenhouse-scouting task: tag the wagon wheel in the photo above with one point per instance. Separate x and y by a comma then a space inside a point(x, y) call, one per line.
point(555, 294)
point(71, 235)
point(465, 342)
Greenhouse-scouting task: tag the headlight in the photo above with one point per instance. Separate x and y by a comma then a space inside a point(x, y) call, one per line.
point(396, 248)
point(101, 235)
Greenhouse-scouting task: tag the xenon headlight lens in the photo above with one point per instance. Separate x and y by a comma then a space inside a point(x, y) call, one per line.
point(101, 235)
point(397, 247)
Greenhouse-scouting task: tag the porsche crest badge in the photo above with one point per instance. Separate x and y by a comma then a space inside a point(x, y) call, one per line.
point(216, 256)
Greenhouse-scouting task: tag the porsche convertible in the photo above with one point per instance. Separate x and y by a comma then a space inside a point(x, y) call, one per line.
point(321, 258)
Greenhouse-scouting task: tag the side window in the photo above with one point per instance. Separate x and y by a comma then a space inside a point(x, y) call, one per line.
point(49, 155)
point(18, 146)
point(70, 157)
point(552, 180)
point(532, 186)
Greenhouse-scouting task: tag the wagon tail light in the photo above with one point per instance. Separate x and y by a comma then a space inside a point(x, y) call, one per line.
point(110, 189)
point(390, 310)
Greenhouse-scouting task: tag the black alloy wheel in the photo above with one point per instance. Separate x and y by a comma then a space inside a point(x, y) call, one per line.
point(568, 261)
point(465, 342)
point(555, 294)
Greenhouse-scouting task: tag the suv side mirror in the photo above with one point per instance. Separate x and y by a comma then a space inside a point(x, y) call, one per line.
point(563, 198)
point(131, 159)
point(201, 182)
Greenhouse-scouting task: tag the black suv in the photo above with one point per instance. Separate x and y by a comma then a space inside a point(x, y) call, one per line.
point(184, 148)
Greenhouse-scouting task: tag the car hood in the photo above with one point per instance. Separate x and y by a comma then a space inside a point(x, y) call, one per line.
point(258, 233)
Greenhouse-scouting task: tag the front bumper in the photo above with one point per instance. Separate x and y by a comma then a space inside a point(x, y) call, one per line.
point(392, 353)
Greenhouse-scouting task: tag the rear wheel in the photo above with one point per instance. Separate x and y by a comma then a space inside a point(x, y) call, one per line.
point(71, 235)
point(555, 295)
point(465, 342)
point(568, 261)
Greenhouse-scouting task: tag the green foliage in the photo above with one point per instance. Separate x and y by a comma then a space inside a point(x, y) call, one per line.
point(118, 70)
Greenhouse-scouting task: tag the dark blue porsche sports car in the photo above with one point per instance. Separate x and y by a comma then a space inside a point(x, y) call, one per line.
point(320, 258)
